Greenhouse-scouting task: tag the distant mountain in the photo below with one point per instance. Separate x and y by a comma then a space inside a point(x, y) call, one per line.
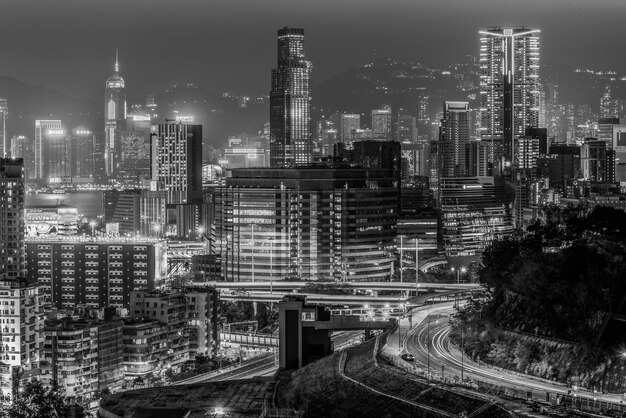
point(220, 116)
point(400, 84)
point(28, 103)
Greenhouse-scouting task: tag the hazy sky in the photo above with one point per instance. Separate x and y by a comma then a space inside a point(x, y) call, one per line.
point(231, 44)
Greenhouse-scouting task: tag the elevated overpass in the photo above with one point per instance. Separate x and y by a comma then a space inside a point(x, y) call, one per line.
point(390, 303)
point(280, 285)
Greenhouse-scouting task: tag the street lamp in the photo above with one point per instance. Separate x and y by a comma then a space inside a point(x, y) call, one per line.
point(93, 225)
point(463, 271)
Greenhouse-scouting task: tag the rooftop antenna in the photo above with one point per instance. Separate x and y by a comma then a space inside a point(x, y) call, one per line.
point(117, 65)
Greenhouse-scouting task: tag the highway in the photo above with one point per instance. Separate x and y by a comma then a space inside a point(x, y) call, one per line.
point(444, 353)
point(261, 366)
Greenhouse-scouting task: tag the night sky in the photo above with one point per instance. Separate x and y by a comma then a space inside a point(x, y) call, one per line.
point(230, 44)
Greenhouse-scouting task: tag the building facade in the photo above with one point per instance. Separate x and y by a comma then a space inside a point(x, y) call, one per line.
point(177, 162)
point(21, 325)
point(475, 211)
point(12, 224)
point(101, 272)
point(325, 221)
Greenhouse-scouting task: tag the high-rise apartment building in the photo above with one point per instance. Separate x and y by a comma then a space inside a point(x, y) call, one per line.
point(12, 226)
point(114, 119)
point(455, 137)
point(509, 86)
point(177, 161)
point(83, 357)
point(290, 102)
point(21, 325)
point(5, 144)
point(76, 271)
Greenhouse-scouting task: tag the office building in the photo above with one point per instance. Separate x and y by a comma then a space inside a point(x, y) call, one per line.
point(290, 102)
point(83, 143)
point(243, 153)
point(134, 164)
point(177, 161)
point(526, 155)
point(474, 212)
point(597, 161)
point(605, 130)
point(561, 166)
point(47, 132)
point(136, 211)
point(12, 226)
point(322, 221)
point(381, 123)
point(509, 86)
point(100, 272)
point(541, 135)
point(5, 145)
point(21, 323)
point(455, 137)
point(407, 129)
point(345, 124)
point(619, 146)
point(114, 118)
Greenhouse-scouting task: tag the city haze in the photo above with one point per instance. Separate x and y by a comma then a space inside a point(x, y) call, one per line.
point(227, 45)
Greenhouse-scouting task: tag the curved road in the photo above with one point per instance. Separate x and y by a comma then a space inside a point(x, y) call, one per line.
point(444, 353)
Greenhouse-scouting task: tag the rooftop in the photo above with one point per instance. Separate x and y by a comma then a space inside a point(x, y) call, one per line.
point(243, 398)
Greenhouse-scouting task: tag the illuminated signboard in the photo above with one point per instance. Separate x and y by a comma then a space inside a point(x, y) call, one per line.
point(57, 180)
point(184, 119)
point(56, 132)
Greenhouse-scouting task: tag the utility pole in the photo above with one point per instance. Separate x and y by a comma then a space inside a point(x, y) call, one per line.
point(401, 247)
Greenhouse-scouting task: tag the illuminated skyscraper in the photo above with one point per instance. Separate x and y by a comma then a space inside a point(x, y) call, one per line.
point(290, 102)
point(509, 87)
point(5, 145)
point(114, 118)
point(454, 137)
point(47, 133)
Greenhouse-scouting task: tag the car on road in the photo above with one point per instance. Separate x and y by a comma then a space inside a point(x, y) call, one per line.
point(407, 357)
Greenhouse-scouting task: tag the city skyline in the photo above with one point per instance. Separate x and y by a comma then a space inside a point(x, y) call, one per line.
point(334, 43)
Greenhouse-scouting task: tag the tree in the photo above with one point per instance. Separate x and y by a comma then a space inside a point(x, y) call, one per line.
point(35, 401)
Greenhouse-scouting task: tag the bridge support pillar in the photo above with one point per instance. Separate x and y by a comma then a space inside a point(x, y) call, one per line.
point(254, 308)
point(368, 334)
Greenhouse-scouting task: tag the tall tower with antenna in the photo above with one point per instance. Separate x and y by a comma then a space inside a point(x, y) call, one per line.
point(114, 119)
